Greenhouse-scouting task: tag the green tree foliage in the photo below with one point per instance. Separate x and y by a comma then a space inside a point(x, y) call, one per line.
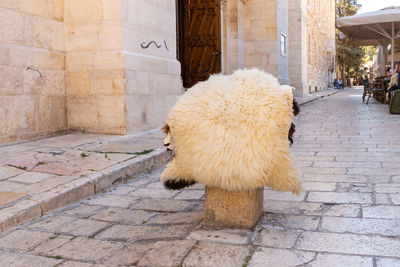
point(370, 52)
point(346, 8)
point(348, 58)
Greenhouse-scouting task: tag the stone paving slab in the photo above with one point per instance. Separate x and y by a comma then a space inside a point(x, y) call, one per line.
point(342, 218)
point(214, 254)
point(9, 197)
point(166, 253)
point(277, 238)
point(280, 257)
point(7, 172)
point(333, 260)
point(230, 236)
point(85, 249)
point(349, 244)
point(23, 240)
point(18, 260)
point(135, 145)
point(56, 171)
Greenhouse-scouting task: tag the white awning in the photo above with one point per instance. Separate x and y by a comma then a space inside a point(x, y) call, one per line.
point(380, 27)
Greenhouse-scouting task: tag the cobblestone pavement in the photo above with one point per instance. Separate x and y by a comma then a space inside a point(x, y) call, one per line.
point(41, 175)
point(349, 214)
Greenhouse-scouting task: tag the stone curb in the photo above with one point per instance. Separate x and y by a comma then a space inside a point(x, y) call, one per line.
point(318, 97)
point(81, 188)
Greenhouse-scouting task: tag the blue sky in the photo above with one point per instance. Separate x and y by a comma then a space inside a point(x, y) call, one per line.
point(373, 5)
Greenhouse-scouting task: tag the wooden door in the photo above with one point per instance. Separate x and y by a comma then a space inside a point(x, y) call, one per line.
point(199, 39)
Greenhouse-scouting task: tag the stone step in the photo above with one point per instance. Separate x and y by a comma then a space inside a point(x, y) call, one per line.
point(21, 210)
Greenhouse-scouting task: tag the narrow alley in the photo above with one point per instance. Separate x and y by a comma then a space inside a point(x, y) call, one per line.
point(348, 154)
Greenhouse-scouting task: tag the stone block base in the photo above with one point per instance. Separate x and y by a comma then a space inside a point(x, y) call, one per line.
point(232, 209)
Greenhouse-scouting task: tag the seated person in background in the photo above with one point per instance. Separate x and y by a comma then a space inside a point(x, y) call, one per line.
point(388, 73)
point(394, 82)
point(340, 83)
point(387, 77)
point(335, 84)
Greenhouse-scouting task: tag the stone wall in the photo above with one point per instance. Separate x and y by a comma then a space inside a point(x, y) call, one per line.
point(233, 35)
point(95, 66)
point(298, 46)
point(311, 44)
point(261, 35)
point(264, 21)
point(320, 41)
point(32, 63)
point(104, 66)
point(151, 67)
point(254, 28)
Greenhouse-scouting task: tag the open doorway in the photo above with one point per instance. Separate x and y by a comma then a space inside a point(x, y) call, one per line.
point(199, 39)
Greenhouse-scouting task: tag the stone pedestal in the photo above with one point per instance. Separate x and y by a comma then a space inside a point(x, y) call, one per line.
point(232, 209)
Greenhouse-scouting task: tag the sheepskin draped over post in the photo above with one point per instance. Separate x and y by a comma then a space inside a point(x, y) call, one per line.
point(231, 132)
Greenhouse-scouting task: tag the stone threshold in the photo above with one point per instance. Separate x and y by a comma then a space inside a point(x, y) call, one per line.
point(80, 188)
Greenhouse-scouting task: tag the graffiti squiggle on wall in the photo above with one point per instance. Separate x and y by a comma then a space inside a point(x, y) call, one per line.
point(38, 71)
point(165, 43)
point(145, 45)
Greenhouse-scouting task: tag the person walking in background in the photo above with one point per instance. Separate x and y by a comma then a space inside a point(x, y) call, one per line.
point(365, 78)
point(365, 81)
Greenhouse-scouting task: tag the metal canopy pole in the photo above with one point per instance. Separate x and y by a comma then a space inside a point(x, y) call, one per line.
point(392, 48)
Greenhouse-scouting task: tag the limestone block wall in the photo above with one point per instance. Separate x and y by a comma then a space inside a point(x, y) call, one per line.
point(95, 66)
point(241, 7)
point(298, 46)
point(233, 35)
point(32, 63)
point(263, 23)
point(152, 71)
point(311, 44)
point(261, 35)
point(320, 30)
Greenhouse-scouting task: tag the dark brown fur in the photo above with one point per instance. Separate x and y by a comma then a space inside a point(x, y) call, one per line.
point(295, 107)
point(166, 129)
point(177, 185)
point(291, 132)
point(174, 184)
point(292, 129)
